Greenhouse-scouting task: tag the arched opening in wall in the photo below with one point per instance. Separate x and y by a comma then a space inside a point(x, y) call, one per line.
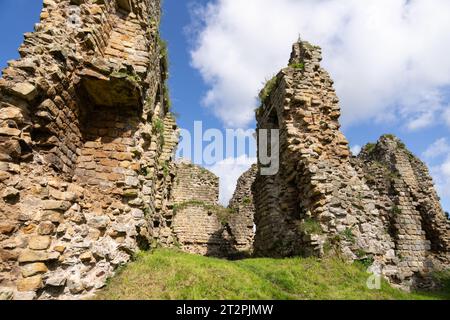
point(107, 131)
point(273, 198)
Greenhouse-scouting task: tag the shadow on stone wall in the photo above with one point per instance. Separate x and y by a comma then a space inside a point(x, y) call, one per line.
point(223, 245)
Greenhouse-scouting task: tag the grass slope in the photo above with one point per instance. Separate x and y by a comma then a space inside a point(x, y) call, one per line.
point(170, 274)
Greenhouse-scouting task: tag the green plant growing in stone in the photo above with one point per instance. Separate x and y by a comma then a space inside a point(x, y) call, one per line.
point(299, 66)
point(268, 88)
point(401, 145)
point(158, 128)
point(370, 147)
point(164, 56)
point(165, 168)
point(223, 214)
point(364, 258)
point(348, 235)
point(360, 253)
point(394, 175)
point(310, 226)
point(129, 76)
point(166, 94)
point(246, 201)
point(366, 262)
point(396, 210)
point(147, 212)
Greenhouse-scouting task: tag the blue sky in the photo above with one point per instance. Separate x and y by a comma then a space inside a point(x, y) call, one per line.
point(389, 60)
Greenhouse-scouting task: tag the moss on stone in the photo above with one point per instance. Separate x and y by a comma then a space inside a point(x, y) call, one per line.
point(298, 66)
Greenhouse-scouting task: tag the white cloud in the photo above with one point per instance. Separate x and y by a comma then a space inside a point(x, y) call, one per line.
point(447, 116)
point(389, 58)
point(438, 148)
point(229, 170)
point(356, 149)
point(441, 176)
point(440, 171)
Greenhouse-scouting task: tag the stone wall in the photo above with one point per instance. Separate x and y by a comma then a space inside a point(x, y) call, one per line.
point(243, 222)
point(406, 198)
point(194, 183)
point(201, 225)
point(321, 202)
point(86, 148)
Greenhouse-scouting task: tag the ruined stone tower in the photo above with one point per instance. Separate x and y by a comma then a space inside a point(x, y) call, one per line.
point(380, 207)
point(86, 147)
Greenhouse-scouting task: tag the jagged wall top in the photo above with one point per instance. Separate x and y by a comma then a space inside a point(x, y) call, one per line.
point(304, 51)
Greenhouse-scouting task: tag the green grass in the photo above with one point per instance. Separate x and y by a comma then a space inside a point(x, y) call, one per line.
point(269, 86)
point(171, 274)
point(310, 226)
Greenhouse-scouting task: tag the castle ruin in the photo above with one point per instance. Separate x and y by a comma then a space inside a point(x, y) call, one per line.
point(88, 175)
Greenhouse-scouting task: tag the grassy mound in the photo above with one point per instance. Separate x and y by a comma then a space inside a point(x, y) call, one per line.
point(170, 274)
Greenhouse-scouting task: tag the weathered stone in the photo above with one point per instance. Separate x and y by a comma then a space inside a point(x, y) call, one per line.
point(8, 255)
point(25, 90)
point(56, 205)
point(46, 228)
point(98, 222)
point(5, 131)
point(10, 193)
point(37, 256)
point(39, 243)
point(12, 113)
point(60, 249)
point(87, 257)
point(33, 269)
point(65, 196)
point(56, 280)
point(30, 284)
point(6, 227)
point(25, 296)
point(6, 294)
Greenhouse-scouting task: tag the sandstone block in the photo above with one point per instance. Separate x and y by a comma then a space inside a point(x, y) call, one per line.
point(56, 205)
point(12, 113)
point(8, 255)
point(33, 269)
point(7, 227)
point(65, 196)
point(30, 284)
point(87, 257)
point(46, 228)
point(60, 249)
point(27, 256)
point(25, 90)
point(5, 131)
point(39, 242)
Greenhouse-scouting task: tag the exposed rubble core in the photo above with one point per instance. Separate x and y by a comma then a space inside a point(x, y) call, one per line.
point(243, 222)
point(88, 177)
point(86, 148)
point(407, 200)
point(380, 207)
